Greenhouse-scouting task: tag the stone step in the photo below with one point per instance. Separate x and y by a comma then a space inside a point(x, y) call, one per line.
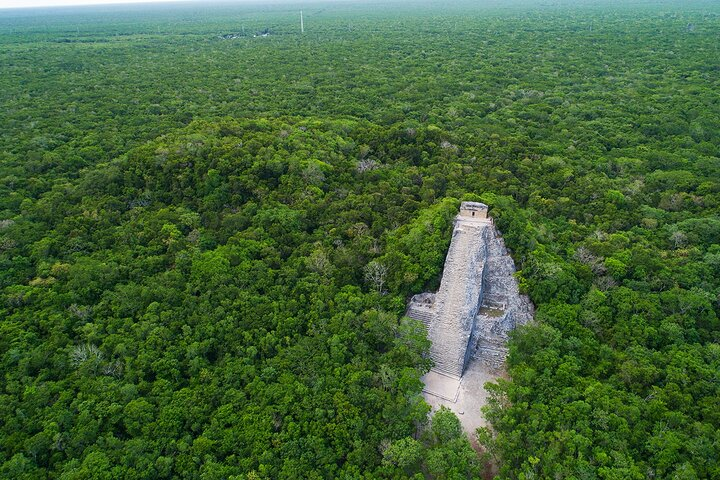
point(449, 371)
point(464, 262)
point(496, 350)
point(424, 315)
point(495, 301)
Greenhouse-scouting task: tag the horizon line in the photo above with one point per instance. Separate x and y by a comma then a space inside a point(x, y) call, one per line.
point(18, 5)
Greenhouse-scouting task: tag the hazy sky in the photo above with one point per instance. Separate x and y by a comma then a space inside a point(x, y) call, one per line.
point(50, 3)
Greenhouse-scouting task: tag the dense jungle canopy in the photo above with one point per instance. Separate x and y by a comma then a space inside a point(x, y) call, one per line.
point(189, 210)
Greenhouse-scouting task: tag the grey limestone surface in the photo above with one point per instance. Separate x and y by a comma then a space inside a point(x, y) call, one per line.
point(458, 299)
point(469, 319)
point(469, 394)
point(442, 386)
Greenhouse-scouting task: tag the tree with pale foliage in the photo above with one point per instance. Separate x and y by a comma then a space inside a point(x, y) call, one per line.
point(375, 274)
